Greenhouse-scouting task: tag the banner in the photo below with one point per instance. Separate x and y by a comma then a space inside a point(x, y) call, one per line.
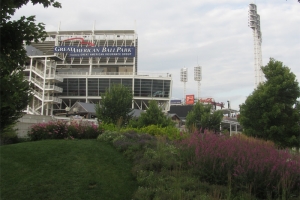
point(175, 102)
point(189, 99)
point(207, 100)
point(110, 51)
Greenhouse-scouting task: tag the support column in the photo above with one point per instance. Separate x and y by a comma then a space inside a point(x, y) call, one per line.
point(86, 88)
point(44, 82)
point(91, 66)
point(47, 109)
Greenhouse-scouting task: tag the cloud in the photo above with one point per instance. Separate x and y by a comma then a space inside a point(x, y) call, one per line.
point(176, 34)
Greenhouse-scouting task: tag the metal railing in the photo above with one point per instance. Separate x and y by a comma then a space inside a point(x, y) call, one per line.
point(47, 98)
point(37, 71)
point(48, 76)
point(53, 87)
point(54, 76)
point(37, 82)
point(47, 87)
point(33, 111)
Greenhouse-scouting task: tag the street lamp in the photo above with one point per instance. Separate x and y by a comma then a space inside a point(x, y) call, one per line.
point(229, 108)
point(67, 110)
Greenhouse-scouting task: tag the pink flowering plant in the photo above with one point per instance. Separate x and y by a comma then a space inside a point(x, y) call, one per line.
point(63, 130)
point(243, 164)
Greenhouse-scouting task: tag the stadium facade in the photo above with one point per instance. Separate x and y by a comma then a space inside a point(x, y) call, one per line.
point(77, 66)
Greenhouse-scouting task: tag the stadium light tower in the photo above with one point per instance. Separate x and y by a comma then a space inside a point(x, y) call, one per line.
point(198, 77)
point(184, 79)
point(254, 24)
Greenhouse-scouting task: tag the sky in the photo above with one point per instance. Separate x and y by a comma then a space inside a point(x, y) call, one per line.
point(172, 34)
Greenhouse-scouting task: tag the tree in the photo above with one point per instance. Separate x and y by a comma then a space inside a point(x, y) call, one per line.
point(14, 90)
point(200, 117)
point(154, 116)
point(115, 105)
point(271, 112)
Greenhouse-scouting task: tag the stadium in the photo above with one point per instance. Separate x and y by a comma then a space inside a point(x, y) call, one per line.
point(77, 66)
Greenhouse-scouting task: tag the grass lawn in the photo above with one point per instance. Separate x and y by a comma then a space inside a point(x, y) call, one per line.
point(64, 169)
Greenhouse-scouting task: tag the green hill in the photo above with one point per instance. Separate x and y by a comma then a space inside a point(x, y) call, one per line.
point(64, 169)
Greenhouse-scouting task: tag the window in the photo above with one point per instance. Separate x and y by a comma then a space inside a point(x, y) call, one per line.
point(146, 88)
point(93, 87)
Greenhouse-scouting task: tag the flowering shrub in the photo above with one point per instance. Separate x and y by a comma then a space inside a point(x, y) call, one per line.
point(63, 130)
point(83, 130)
point(243, 163)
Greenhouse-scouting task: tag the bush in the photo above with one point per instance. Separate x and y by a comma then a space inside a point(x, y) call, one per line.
point(170, 132)
point(133, 145)
point(108, 136)
point(164, 156)
point(61, 130)
point(83, 130)
point(107, 127)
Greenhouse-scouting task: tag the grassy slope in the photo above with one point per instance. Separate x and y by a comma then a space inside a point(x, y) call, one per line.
point(64, 169)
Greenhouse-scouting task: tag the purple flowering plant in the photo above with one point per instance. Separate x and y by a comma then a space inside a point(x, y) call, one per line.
point(243, 163)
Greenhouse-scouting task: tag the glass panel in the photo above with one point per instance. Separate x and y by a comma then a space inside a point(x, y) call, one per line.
point(167, 84)
point(157, 88)
point(146, 88)
point(127, 83)
point(115, 81)
point(73, 87)
point(82, 87)
point(103, 85)
point(137, 87)
point(93, 87)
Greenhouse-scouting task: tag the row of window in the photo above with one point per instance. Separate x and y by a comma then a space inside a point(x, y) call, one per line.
point(96, 86)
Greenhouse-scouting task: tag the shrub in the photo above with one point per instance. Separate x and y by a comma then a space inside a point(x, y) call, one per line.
point(61, 130)
point(83, 130)
point(243, 163)
point(170, 132)
point(108, 136)
point(133, 144)
point(107, 127)
point(163, 157)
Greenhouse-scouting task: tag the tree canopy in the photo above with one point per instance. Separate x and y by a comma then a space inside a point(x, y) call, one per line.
point(15, 92)
point(271, 112)
point(115, 105)
point(153, 116)
point(200, 117)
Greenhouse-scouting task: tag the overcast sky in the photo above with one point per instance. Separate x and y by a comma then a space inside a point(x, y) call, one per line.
point(175, 34)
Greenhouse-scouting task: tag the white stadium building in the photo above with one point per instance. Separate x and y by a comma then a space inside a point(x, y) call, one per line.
point(77, 66)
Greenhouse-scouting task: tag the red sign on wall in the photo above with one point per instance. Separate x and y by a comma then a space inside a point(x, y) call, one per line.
point(189, 99)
